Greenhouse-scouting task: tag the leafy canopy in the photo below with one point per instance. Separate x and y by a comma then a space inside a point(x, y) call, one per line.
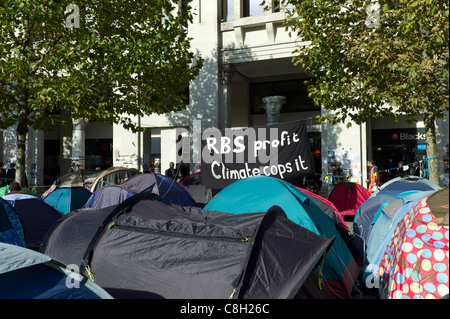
point(373, 58)
point(113, 59)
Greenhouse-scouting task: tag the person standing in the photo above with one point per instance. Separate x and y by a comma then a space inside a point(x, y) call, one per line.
point(180, 177)
point(338, 174)
point(183, 168)
point(151, 169)
point(374, 179)
point(11, 174)
point(2, 175)
point(171, 172)
point(108, 164)
point(415, 169)
point(400, 170)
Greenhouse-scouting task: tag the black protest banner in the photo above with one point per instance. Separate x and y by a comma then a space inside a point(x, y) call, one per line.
point(279, 150)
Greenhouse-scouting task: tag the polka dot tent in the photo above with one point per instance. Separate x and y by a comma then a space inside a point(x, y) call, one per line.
point(416, 262)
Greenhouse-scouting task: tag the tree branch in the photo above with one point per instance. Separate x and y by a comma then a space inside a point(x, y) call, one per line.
point(36, 66)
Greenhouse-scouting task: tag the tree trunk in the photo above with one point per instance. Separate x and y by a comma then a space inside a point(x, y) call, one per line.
point(430, 136)
point(21, 131)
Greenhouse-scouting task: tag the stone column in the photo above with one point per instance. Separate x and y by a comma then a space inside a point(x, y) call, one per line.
point(272, 105)
point(226, 72)
point(78, 142)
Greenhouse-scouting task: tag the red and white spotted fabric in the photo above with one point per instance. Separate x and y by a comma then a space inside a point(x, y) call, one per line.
point(416, 262)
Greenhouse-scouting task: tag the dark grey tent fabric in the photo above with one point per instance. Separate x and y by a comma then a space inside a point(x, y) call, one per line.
point(195, 256)
point(72, 235)
point(168, 190)
point(140, 183)
point(285, 242)
point(146, 248)
point(108, 196)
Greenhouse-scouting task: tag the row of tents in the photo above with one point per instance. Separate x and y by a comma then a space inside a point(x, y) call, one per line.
point(150, 237)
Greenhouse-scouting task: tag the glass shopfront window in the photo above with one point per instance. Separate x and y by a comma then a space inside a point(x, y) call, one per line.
point(98, 153)
point(391, 146)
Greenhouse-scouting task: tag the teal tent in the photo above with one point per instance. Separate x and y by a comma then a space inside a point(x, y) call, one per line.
point(339, 270)
point(68, 198)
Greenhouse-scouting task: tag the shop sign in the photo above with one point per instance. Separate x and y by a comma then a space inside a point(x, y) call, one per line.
point(398, 136)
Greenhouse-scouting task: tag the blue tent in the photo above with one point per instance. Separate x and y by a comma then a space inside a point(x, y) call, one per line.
point(367, 215)
point(173, 192)
point(11, 230)
point(386, 224)
point(68, 198)
point(27, 274)
point(36, 216)
point(404, 184)
point(369, 212)
point(259, 193)
point(168, 189)
point(365, 219)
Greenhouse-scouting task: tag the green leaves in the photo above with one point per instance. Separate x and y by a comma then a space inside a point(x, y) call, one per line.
point(360, 69)
point(398, 68)
point(101, 70)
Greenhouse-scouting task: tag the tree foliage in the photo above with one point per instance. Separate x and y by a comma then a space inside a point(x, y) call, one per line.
point(375, 59)
point(103, 60)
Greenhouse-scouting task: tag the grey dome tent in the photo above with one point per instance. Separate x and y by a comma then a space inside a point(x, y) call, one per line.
point(166, 188)
point(146, 248)
point(404, 184)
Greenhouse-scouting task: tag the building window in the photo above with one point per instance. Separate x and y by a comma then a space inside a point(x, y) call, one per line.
point(253, 8)
point(250, 8)
point(295, 91)
point(97, 152)
point(227, 10)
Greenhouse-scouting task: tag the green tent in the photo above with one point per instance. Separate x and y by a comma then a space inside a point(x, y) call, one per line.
point(5, 190)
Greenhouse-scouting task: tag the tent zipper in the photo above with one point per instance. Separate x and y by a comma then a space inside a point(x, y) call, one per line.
point(243, 239)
